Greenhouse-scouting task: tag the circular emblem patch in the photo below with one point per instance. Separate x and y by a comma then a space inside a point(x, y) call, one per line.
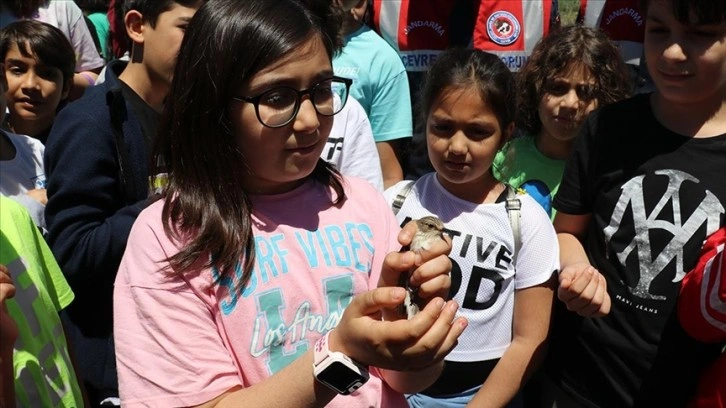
point(503, 28)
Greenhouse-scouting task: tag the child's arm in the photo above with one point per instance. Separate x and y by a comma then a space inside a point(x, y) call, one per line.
point(531, 324)
point(81, 81)
point(205, 363)
point(8, 335)
point(582, 288)
point(8, 329)
point(420, 342)
point(390, 165)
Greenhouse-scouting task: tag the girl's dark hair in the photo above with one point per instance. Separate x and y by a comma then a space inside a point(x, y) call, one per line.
point(705, 11)
point(569, 47)
point(41, 41)
point(225, 45)
point(475, 69)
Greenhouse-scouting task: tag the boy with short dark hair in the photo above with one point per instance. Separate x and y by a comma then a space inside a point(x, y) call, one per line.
point(21, 159)
point(39, 66)
point(97, 166)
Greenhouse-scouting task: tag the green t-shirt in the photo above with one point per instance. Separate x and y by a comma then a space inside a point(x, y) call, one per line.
point(521, 165)
point(44, 375)
point(103, 28)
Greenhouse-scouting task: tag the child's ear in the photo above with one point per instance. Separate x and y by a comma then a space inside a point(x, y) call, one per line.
point(359, 11)
point(508, 132)
point(134, 22)
point(67, 85)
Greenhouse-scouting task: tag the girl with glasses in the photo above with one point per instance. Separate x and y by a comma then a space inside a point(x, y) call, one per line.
point(262, 277)
point(569, 74)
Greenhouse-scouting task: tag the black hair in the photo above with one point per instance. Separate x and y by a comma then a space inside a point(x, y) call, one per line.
point(41, 41)
point(93, 6)
point(704, 11)
point(151, 9)
point(225, 45)
point(470, 68)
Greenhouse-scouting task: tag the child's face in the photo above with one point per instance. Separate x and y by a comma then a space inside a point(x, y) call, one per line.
point(567, 100)
point(687, 62)
point(463, 135)
point(162, 42)
point(279, 159)
point(34, 89)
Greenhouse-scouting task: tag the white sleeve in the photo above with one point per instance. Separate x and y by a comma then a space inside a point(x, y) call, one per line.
point(87, 56)
point(391, 192)
point(359, 157)
point(539, 256)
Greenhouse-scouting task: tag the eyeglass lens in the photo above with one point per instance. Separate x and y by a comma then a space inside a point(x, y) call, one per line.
point(279, 105)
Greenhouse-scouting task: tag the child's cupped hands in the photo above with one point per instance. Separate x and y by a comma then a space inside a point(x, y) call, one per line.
point(400, 344)
point(372, 332)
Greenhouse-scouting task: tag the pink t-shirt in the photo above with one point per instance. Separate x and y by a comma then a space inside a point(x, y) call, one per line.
point(183, 340)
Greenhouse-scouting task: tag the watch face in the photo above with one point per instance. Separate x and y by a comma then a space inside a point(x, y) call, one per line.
point(341, 378)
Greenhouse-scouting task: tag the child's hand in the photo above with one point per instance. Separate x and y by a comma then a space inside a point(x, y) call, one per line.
point(38, 194)
point(584, 290)
point(7, 287)
point(8, 328)
point(398, 345)
point(429, 268)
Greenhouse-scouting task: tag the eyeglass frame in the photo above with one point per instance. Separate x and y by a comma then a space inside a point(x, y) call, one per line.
point(255, 100)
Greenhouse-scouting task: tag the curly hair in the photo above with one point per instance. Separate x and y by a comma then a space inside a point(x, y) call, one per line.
point(556, 53)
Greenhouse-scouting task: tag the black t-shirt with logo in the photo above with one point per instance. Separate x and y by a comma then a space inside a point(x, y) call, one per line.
point(654, 196)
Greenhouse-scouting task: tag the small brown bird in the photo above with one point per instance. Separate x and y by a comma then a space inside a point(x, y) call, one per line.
point(429, 229)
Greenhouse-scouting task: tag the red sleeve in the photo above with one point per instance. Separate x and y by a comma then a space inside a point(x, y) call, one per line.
point(702, 300)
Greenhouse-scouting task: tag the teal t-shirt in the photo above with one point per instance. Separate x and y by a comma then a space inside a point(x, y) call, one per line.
point(44, 375)
point(380, 83)
point(102, 26)
point(520, 164)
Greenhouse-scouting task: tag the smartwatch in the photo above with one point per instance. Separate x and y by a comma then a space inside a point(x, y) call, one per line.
point(336, 370)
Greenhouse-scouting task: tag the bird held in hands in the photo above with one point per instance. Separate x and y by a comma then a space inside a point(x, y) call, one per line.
point(428, 230)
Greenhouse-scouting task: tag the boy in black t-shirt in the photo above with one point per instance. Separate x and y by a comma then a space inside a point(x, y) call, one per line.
point(642, 191)
point(96, 162)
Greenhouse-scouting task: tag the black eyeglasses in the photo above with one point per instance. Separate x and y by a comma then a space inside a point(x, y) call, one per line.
point(585, 92)
point(278, 107)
